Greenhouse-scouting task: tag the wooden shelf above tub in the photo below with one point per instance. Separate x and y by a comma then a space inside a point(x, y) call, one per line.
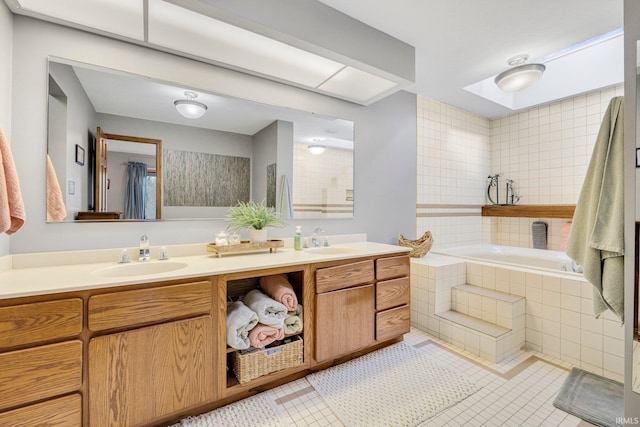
point(530, 211)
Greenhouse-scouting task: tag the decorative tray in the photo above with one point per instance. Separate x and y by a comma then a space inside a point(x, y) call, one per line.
point(245, 246)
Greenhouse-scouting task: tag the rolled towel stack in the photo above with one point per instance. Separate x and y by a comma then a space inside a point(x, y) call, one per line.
point(277, 286)
point(240, 321)
point(263, 335)
point(270, 312)
point(293, 321)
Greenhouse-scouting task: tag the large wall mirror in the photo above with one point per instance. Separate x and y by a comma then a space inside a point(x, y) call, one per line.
point(118, 149)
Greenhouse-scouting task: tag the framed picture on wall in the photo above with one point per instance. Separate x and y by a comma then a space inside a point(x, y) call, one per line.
point(79, 155)
point(638, 157)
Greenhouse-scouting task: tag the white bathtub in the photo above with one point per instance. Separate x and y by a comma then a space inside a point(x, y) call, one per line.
point(537, 259)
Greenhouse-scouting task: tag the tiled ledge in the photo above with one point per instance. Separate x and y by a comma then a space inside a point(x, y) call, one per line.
point(500, 296)
point(473, 323)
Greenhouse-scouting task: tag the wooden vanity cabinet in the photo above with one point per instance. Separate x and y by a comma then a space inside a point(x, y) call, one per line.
point(360, 304)
point(155, 358)
point(345, 307)
point(393, 315)
point(41, 363)
point(141, 376)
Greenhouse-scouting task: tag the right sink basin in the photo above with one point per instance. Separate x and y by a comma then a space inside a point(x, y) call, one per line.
point(331, 250)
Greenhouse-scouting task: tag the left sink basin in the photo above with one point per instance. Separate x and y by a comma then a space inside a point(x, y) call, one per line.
point(139, 269)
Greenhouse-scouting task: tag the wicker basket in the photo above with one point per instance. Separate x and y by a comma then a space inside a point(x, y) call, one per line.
point(419, 247)
point(257, 363)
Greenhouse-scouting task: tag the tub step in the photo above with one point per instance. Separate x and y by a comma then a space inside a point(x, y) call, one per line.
point(490, 293)
point(476, 324)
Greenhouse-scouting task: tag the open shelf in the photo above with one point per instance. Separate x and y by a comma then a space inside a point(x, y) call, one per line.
point(530, 211)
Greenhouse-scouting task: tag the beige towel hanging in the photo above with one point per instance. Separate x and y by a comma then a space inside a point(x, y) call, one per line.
point(12, 214)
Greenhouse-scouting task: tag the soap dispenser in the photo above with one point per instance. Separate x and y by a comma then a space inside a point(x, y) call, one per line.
point(297, 239)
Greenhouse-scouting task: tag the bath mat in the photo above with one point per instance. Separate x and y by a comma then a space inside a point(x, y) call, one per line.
point(394, 386)
point(255, 411)
point(591, 397)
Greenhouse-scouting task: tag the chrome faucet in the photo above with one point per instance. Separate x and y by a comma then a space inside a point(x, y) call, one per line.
point(314, 238)
point(144, 248)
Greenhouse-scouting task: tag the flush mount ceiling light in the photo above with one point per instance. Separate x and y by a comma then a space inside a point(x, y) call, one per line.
point(189, 108)
point(316, 148)
point(521, 76)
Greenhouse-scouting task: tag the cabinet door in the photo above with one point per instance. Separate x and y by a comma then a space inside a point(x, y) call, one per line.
point(344, 321)
point(138, 377)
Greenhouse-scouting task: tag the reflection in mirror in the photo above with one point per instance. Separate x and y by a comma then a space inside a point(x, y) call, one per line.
point(239, 150)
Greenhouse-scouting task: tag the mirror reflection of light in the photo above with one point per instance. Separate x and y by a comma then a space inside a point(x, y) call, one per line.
point(316, 149)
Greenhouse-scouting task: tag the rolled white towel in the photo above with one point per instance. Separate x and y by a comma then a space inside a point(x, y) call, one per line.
point(270, 312)
point(293, 321)
point(240, 320)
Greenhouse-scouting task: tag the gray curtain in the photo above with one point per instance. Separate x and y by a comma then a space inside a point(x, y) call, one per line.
point(135, 198)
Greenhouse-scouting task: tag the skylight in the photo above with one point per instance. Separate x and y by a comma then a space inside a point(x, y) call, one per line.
point(584, 67)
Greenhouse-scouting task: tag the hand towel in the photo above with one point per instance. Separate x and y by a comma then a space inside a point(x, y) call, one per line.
point(263, 335)
point(286, 206)
point(596, 240)
point(539, 234)
point(565, 229)
point(270, 312)
point(240, 320)
point(56, 210)
point(278, 287)
point(293, 322)
point(12, 214)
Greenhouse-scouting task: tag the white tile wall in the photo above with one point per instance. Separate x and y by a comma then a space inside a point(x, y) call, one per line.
point(322, 183)
point(452, 165)
point(545, 150)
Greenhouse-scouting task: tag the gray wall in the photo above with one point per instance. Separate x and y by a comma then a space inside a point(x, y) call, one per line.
point(385, 161)
point(6, 37)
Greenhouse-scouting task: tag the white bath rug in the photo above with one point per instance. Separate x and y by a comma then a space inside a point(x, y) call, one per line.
point(394, 386)
point(256, 411)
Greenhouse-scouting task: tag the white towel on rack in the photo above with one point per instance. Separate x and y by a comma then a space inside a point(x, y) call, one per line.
point(286, 204)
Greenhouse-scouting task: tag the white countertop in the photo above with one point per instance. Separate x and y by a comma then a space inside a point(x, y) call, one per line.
point(38, 274)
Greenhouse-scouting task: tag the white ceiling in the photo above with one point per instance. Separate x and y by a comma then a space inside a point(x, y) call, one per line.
point(460, 42)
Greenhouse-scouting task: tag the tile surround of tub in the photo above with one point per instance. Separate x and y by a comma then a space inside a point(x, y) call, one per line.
point(334, 175)
point(559, 319)
point(452, 166)
point(545, 150)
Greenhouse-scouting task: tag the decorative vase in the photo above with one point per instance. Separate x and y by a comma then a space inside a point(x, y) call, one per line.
point(258, 235)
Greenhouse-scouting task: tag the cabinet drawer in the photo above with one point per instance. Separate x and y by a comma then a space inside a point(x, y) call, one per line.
point(143, 306)
point(39, 373)
point(392, 293)
point(344, 276)
point(392, 323)
point(389, 268)
point(40, 322)
point(63, 412)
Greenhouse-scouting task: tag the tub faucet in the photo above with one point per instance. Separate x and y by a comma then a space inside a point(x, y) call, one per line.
point(314, 238)
point(144, 248)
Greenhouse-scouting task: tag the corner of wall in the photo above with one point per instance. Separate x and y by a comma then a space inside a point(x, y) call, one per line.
point(6, 46)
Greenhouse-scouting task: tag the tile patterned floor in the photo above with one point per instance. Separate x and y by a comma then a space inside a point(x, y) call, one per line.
point(518, 391)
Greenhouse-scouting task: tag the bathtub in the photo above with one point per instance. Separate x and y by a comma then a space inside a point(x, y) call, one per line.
point(526, 258)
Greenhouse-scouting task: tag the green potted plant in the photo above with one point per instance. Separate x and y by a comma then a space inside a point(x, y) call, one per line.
point(255, 217)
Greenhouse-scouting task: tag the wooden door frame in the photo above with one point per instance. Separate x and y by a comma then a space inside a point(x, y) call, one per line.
point(126, 138)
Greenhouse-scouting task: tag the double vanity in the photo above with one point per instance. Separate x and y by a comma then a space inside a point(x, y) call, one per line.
point(87, 341)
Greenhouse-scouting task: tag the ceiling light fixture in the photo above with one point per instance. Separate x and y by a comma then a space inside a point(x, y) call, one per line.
point(316, 148)
point(521, 76)
point(189, 108)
